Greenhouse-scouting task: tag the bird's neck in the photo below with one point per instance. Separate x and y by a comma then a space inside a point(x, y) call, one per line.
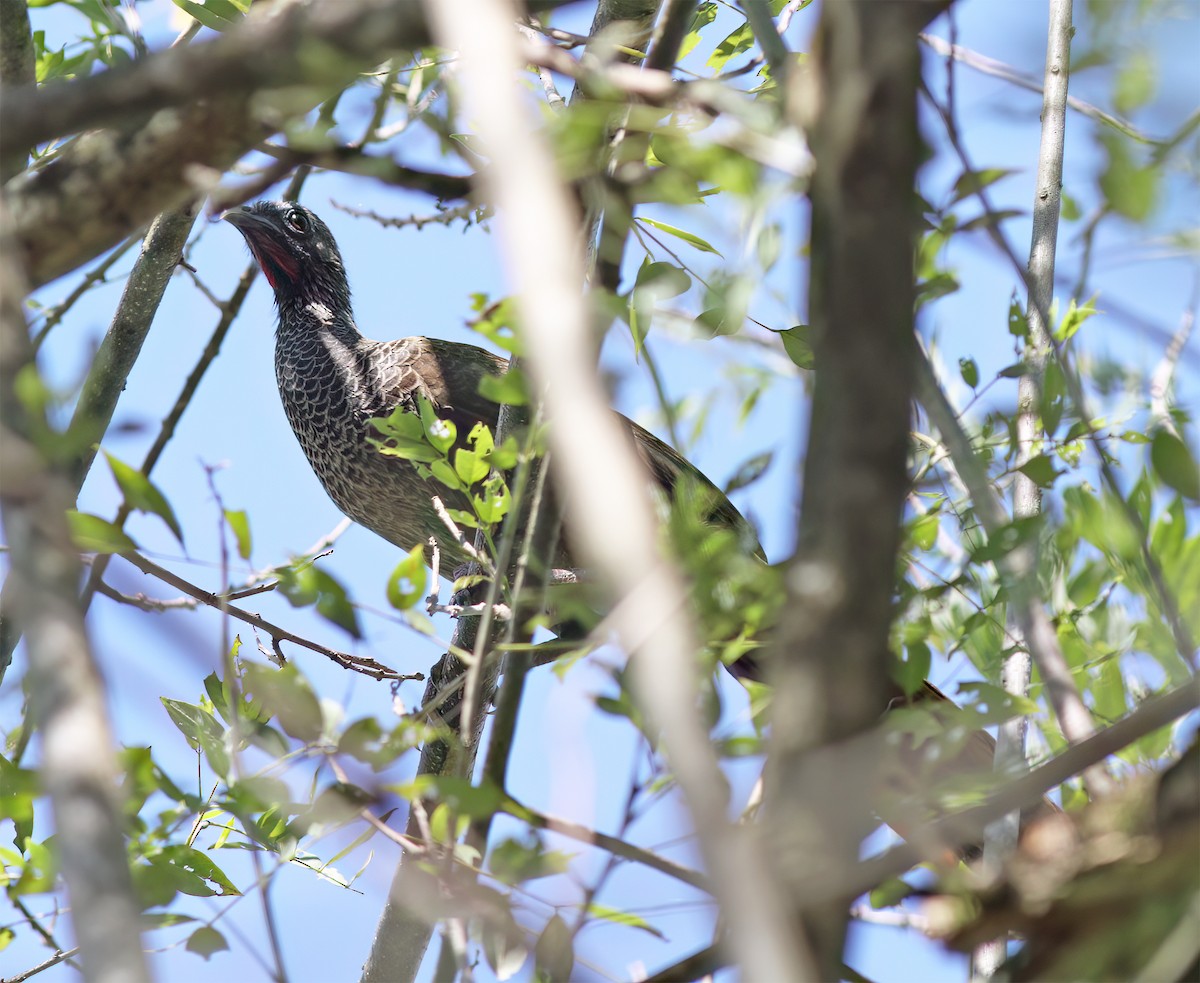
point(305, 321)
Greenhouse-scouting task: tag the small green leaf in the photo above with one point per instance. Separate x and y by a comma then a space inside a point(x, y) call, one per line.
point(239, 523)
point(1015, 371)
point(442, 471)
point(142, 494)
point(403, 436)
point(217, 15)
point(1132, 190)
point(798, 343)
point(495, 502)
point(469, 466)
point(705, 14)
point(287, 696)
point(508, 389)
point(738, 40)
point(688, 237)
point(92, 534)
point(924, 530)
point(627, 918)
point(440, 433)
point(1018, 323)
point(665, 280)
point(406, 586)
point(972, 182)
point(890, 893)
point(206, 940)
point(1040, 470)
point(1173, 462)
point(1136, 83)
point(910, 672)
point(555, 956)
point(969, 371)
point(1073, 320)
point(749, 472)
point(304, 584)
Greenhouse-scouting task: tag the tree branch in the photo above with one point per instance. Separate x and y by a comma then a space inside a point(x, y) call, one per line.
point(830, 662)
point(357, 663)
point(79, 770)
point(17, 69)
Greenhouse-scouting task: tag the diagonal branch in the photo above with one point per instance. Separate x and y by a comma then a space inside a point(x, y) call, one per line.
point(79, 768)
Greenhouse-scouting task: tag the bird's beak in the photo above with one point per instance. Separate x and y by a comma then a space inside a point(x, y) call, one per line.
point(246, 221)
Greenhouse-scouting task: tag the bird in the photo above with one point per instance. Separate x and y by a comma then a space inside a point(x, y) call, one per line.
point(333, 382)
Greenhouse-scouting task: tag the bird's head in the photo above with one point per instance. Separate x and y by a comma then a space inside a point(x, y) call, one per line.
point(296, 251)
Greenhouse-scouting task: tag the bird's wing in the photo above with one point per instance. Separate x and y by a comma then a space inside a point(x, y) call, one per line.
point(435, 369)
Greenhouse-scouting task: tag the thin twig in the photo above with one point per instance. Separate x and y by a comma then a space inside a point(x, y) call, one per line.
point(54, 960)
point(357, 663)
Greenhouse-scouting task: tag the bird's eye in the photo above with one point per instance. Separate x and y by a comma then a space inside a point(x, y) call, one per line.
point(296, 220)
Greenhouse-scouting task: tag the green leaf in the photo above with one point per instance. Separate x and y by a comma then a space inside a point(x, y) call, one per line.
point(1135, 83)
point(1173, 462)
point(749, 472)
point(495, 502)
point(287, 696)
point(666, 280)
point(442, 471)
point(469, 466)
point(206, 940)
point(1040, 470)
point(969, 371)
point(798, 344)
point(202, 730)
point(941, 285)
point(1015, 371)
point(403, 436)
point(92, 534)
point(688, 237)
point(406, 586)
point(508, 389)
point(515, 861)
point(1073, 320)
point(890, 893)
point(1018, 323)
point(924, 530)
point(705, 14)
point(1131, 190)
point(909, 673)
point(738, 40)
point(142, 494)
point(555, 957)
point(440, 433)
point(239, 523)
point(627, 918)
point(972, 182)
point(989, 219)
point(305, 584)
point(217, 15)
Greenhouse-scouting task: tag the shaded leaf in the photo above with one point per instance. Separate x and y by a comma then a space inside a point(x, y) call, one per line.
point(92, 534)
point(206, 940)
point(1173, 463)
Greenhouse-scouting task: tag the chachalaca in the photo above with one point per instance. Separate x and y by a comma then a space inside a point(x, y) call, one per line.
point(333, 382)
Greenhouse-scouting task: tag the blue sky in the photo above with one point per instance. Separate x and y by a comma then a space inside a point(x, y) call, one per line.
point(569, 760)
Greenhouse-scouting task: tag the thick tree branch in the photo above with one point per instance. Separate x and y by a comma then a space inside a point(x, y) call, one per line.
point(830, 664)
point(315, 45)
point(165, 147)
point(16, 70)
point(161, 250)
point(67, 697)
